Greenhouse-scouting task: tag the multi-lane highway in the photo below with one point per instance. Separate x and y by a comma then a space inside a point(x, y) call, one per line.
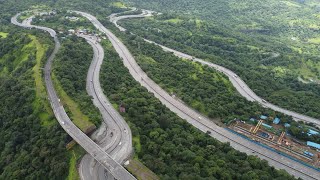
point(237, 82)
point(90, 146)
point(114, 18)
point(114, 136)
point(199, 121)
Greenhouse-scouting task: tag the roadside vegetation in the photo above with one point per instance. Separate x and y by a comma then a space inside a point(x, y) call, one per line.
point(28, 149)
point(273, 57)
point(33, 145)
point(41, 102)
point(76, 153)
point(171, 147)
point(3, 35)
point(70, 70)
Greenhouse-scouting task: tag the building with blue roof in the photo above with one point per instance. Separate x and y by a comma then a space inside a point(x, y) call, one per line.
point(287, 125)
point(312, 132)
point(263, 117)
point(266, 125)
point(312, 144)
point(308, 153)
point(252, 119)
point(276, 121)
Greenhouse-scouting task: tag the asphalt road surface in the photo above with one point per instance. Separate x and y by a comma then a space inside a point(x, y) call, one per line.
point(114, 136)
point(199, 121)
point(90, 146)
point(237, 82)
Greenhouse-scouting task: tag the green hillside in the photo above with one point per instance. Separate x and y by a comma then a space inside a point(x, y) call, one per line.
point(272, 45)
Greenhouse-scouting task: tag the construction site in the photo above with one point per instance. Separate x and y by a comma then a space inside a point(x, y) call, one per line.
point(276, 137)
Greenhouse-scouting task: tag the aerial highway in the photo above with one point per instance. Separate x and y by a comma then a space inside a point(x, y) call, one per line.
point(198, 120)
point(114, 136)
point(82, 139)
point(114, 18)
point(237, 82)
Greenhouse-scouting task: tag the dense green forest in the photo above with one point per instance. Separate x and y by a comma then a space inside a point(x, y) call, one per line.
point(271, 68)
point(171, 147)
point(201, 87)
point(70, 68)
point(29, 150)
point(33, 143)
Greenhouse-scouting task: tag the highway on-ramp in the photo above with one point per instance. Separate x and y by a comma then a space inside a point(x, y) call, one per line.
point(237, 82)
point(82, 139)
point(199, 121)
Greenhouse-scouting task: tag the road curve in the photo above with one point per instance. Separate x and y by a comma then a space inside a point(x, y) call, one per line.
point(237, 82)
point(115, 135)
point(197, 120)
point(82, 139)
point(114, 18)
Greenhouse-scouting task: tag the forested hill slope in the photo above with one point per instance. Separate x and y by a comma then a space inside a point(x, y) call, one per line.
point(32, 146)
point(32, 143)
point(234, 13)
point(272, 45)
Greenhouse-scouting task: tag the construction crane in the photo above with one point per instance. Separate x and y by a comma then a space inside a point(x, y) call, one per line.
point(281, 137)
point(257, 127)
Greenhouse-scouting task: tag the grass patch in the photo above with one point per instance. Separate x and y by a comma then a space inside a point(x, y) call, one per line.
point(174, 20)
point(297, 49)
point(41, 103)
point(198, 66)
point(119, 4)
point(24, 16)
point(194, 76)
point(137, 144)
point(140, 171)
point(75, 154)
point(198, 23)
point(314, 26)
point(146, 59)
point(77, 117)
point(4, 71)
point(25, 53)
point(314, 40)
point(290, 4)
point(3, 34)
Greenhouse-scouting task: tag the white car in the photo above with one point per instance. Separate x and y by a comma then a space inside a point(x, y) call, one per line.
point(62, 122)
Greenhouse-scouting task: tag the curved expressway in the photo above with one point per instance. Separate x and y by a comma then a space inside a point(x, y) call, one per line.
point(82, 139)
point(237, 82)
point(114, 18)
point(197, 120)
point(114, 135)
